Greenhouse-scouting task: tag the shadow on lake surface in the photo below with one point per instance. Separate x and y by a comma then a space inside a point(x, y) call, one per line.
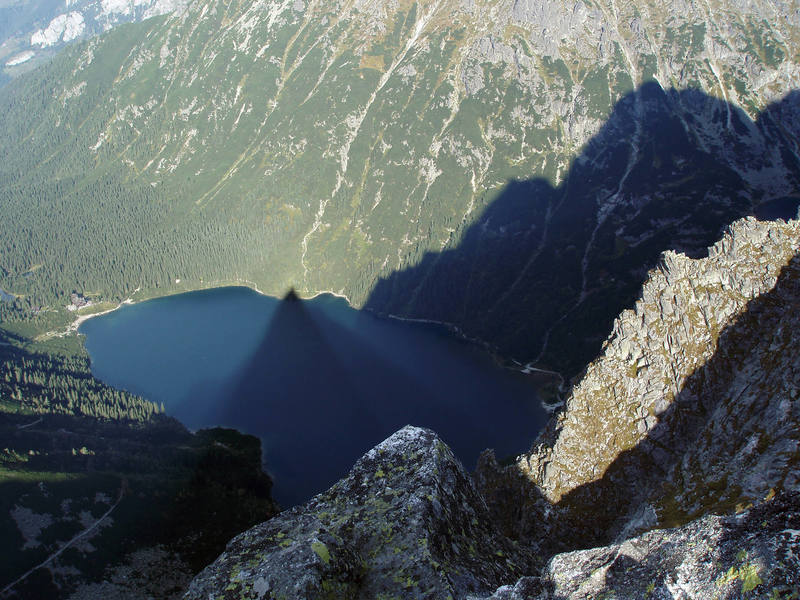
point(319, 382)
point(326, 385)
point(541, 273)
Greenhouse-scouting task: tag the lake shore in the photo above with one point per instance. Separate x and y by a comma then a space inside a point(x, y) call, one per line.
point(548, 377)
point(508, 363)
point(213, 285)
point(80, 319)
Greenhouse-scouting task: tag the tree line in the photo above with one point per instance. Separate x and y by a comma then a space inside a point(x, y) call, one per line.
point(38, 383)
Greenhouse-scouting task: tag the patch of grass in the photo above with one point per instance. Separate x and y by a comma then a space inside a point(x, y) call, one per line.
point(23, 476)
point(321, 550)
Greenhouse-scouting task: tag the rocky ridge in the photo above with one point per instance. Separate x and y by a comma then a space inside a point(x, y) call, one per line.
point(376, 534)
point(406, 521)
point(691, 411)
point(673, 330)
point(691, 406)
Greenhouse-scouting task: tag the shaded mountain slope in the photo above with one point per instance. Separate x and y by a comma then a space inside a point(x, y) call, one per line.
point(544, 271)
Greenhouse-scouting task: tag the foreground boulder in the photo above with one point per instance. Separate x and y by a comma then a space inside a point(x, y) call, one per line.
point(750, 555)
point(406, 521)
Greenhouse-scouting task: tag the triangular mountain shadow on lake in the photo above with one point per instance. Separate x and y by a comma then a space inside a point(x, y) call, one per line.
point(295, 387)
point(324, 385)
point(543, 271)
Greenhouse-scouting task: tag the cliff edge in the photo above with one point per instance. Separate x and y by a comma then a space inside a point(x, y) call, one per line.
point(674, 459)
point(691, 408)
point(405, 522)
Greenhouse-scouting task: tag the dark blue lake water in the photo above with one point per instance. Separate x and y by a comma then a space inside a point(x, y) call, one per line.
point(785, 208)
point(319, 382)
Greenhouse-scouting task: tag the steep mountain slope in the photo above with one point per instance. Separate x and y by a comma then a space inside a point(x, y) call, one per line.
point(120, 509)
point(32, 30)
point(329, 145)
point(691, 407)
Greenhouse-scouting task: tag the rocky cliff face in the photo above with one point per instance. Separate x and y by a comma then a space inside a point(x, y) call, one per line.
point(690, 408)
point(691, 411)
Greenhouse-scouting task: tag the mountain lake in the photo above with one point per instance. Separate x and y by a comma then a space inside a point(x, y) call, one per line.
point(317, 381)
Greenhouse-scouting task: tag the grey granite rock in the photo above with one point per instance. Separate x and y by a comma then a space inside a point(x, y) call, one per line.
point(750, 555)
point(406, 522)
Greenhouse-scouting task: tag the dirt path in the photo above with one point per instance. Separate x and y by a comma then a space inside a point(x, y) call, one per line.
point(39, 420)
point(55, 554)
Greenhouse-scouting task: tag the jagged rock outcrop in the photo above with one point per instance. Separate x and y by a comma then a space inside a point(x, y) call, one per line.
point(692, 406)
point(752, 555)
point(406, 521)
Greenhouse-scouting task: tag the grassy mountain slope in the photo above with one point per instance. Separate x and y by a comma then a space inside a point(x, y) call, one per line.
point(328, 145)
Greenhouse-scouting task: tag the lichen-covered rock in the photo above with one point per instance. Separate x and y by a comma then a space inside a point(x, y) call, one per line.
point(751, 555)
point(405, 522)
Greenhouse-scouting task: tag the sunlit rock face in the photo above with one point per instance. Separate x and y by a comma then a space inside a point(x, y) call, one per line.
point(87, 17)
point(63, 28)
